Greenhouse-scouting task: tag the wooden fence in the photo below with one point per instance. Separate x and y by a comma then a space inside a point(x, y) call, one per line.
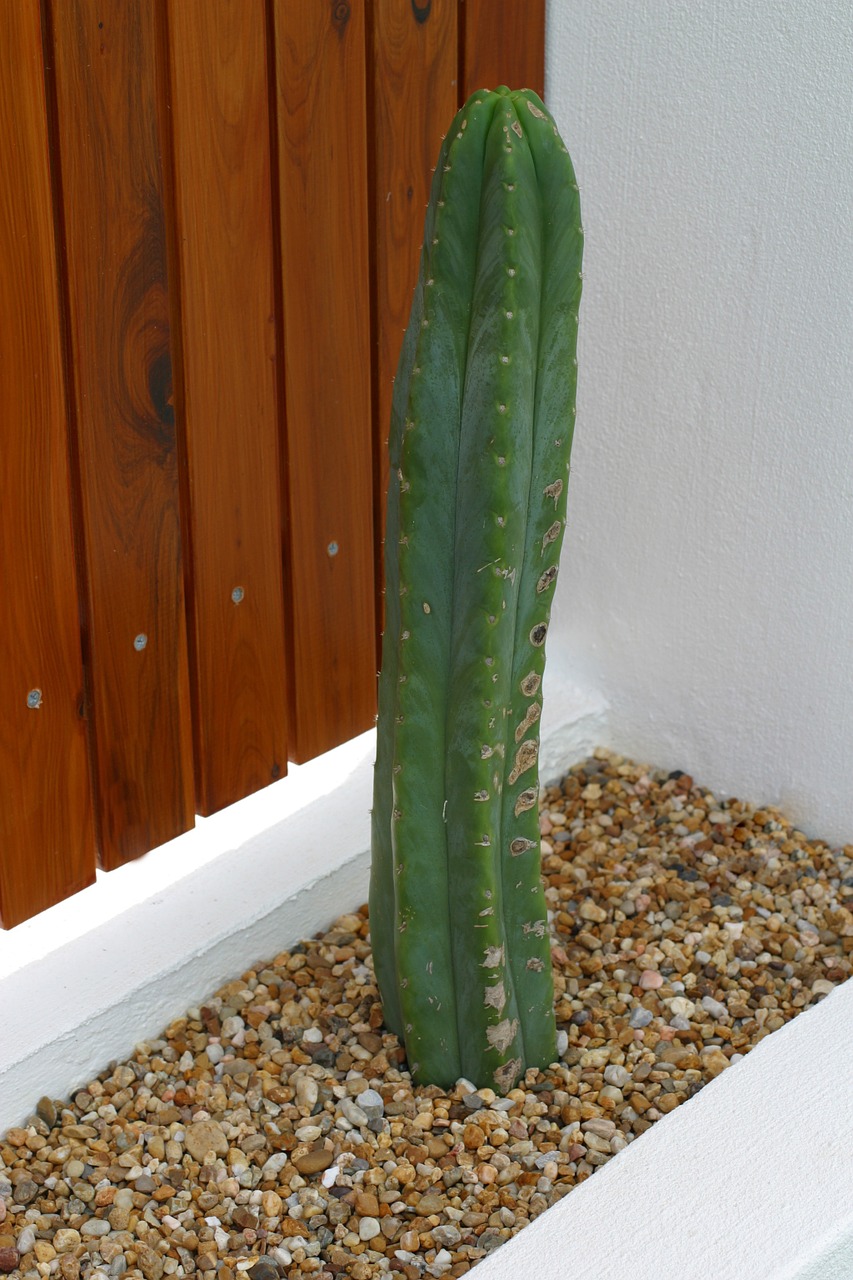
point(210, 220)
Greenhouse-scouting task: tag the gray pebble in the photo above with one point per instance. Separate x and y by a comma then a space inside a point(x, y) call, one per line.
point(640, 1017)
point(95, 1227)
point(370, 1102)
point(714, 1007)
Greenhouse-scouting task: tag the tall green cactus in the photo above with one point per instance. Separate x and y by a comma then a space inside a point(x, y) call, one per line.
point(481, 430)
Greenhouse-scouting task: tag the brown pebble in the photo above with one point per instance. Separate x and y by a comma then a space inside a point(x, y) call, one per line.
point(205, 1136)
point(473, 1137)
point(366, 1204)
point(9, 1259)
point(314, 1161)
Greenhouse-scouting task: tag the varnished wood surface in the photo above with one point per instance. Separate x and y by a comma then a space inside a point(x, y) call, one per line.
point(233, 189)
point(47, 846)
point(323, 186)
point(415, 96)
point(106, 56)
point(231, 398)
point(504, 43)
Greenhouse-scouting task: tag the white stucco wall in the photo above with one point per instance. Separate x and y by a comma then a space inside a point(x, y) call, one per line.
point(707, 580)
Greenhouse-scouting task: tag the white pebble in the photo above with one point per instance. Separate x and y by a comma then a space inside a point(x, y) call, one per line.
point(368, 1228)
point(308, 1132)
point(313, 1035)
point(617, 1075)
point(682, 1007)
point(443, 1260)
point(273, 1167)
point(307, 1092)
point(26, 1240)
point(562, 1042)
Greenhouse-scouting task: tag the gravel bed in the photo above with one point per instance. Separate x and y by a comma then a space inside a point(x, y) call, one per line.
point(273, 1131)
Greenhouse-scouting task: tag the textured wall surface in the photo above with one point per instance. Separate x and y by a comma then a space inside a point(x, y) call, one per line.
point(707, 581)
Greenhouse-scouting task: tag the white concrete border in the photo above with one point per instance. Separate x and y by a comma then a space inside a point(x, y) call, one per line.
point(201, 909)
point(175, 925)
point(750, 1178)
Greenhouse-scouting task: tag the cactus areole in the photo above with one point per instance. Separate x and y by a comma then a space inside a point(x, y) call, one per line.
point(481, 430)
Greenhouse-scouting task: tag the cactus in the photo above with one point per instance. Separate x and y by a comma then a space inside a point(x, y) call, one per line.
point(481, 429)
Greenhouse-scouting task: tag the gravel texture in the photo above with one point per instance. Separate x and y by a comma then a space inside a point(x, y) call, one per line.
point(273, 1131)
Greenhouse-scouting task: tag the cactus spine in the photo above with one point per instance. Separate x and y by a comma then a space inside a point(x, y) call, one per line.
point(481, 430)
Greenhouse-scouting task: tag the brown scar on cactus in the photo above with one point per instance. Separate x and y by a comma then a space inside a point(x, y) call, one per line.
point(525, 758)
point(547, 578)
point(533, 713)
point(552, 534)
point(501, 1035)
point(530, 684)
point(521, 845)
point(495, 997)
point(505, 1076)
point(526, 800)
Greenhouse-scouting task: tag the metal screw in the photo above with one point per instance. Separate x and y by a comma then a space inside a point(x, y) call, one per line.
point(34, 699)
point(140, 642)
point(237, 594)
point(332, 548)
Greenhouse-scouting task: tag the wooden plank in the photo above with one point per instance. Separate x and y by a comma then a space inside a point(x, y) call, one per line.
point(323, 157)
point(230, 400)
point(503, 43)
point(46, 830)
point(415, 63)
point(106, 56)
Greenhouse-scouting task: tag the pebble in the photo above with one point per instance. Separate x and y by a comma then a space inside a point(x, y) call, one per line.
point(204, 1136)
point(263, 1269)
point(371, 1104)
point(314, 1161)
point(26, 1240)
point(273, 1130)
